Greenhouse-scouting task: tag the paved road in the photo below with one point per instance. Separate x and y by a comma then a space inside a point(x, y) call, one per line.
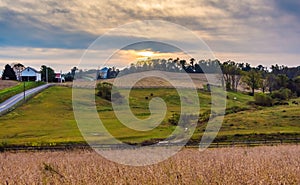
point(8, 104)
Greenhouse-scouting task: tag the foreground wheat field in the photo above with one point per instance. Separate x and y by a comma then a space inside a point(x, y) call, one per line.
point(259, 165)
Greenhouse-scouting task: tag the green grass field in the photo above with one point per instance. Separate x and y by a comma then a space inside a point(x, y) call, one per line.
point(48, 119)
point(11, 91)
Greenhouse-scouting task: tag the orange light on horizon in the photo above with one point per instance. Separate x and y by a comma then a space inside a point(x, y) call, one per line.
point(146, 54)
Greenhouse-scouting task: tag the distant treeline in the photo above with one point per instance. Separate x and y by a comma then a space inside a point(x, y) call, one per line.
point(202, 66)
point(233, 73)
point(173, 65)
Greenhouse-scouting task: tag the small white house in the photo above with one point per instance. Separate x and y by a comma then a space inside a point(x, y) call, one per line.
point(30, 74)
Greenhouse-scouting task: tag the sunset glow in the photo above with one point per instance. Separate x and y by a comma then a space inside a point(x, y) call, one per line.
point(146, 53)
point(244, 32)
point(142, 55)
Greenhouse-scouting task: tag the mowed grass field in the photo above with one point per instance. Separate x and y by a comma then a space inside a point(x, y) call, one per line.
point(48, 119)
point(256, 165)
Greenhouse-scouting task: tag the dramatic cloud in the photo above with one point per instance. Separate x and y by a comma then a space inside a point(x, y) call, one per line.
point(265, 28)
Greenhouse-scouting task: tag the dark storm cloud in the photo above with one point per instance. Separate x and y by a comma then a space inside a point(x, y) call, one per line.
point(232, 26)
point(291, 7)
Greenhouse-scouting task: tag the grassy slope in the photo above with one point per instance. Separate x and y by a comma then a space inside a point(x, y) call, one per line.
point(55, 121)
point(48, 117)
point(271, 122)
point(11, 91)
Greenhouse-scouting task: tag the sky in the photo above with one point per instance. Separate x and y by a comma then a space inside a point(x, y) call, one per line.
point(58, 33)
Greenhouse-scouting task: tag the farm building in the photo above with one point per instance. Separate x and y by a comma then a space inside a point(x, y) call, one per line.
point(30, 74)
point(59, 78)
point(103, 73)
point(106, 73)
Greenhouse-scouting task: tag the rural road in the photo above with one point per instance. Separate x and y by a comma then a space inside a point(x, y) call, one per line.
point(8, 104)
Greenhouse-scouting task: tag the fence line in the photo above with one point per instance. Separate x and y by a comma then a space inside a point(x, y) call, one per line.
point(120, 146)
point(250, 143)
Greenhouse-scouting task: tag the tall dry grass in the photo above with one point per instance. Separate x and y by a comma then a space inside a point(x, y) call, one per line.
point(260, 165)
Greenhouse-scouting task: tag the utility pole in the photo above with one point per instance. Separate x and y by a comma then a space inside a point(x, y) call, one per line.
point(47, 74)
point(98, 73)
point(24, 98)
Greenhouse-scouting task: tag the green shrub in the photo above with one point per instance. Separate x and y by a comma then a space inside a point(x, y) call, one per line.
point(105, 92)
point(206, 87)
point(184, 119)
point(263, 99)
point(174, 119)
point(235, 109)
point(282, 94)
point(204, 117)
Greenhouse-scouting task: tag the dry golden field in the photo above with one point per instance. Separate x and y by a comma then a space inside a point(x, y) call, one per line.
point(259, 165)
point(199, 80)
point(152, 81)
point(7, 83)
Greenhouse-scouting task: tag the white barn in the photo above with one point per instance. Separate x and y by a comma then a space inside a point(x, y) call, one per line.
point(30, 74)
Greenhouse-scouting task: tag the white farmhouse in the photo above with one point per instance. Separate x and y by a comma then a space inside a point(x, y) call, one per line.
point(30, 74)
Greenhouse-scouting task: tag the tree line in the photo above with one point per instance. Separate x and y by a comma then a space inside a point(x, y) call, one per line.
point(172, 65)
point(233, 73)
point(272, 80)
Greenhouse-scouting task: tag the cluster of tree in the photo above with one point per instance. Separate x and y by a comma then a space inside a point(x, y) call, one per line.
point(69, 77)
point(290, 72)
point(91, 73)
point(47, 73)
point(260, 78)
point(51, 74)
point(255, 78)
point(277, 97)
point(234, 74)
point(173, 65)
point(8, 73)
point(13, 72)
point(104, 90)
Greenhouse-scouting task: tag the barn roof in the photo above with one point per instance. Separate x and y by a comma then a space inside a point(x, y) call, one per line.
point(104, 69)
point(31, 69)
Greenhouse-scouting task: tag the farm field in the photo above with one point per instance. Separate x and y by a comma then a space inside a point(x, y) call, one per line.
point(7, 83)
point(199, 80)
point(11, 88)
point(258, 165)
point(55, 123)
